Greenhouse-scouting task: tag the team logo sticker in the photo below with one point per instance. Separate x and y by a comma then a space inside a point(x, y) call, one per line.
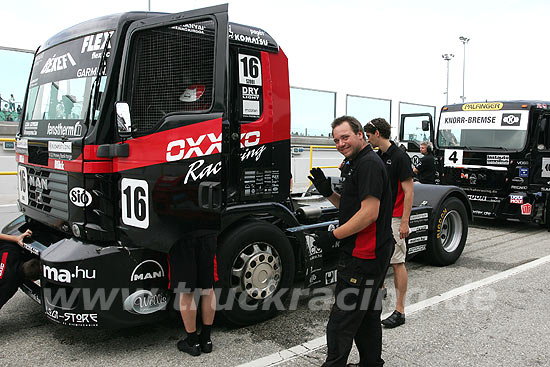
point(511, 119)
point(80, 197)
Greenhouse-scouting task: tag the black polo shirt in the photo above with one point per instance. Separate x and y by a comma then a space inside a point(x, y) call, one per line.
point(426, 169)
point(363, 176)
point(399, 169)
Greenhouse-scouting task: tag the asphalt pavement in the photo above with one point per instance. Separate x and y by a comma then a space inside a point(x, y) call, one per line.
point(487, 309)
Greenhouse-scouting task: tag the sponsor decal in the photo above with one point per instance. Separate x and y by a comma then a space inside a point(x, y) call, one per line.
point(60, 147)
point(254, 38)
point(96, 42)
point(526, 209)
point(484, 198)
point(524, 172)
point(145, 302)
point(58, 164)
point(21, 159)
point(63, 130)
point(251, 108)
point(330, 277)
point(515, 187)
point(64, 275)
point(482, 190)
point(79, 319)
point(483, 213)
point(415, 249)
point(541, 105)
point(31, 128)
point(545, 189)
point(488, 106)
point(511, 119)
point(516, 199)
point(314, 252)
point(545, 167)
point(518, 180)
point(31, 249)
point(56, 63)
point(497, 159)
point(190, 147)
point(80, 197)
point(464, 175)
point(418, 216)
point(22, 144)
point(419, 228)
point(421, 239)
point(197, 172)
point(522, 163)
point(191, 27)
point(148, 269)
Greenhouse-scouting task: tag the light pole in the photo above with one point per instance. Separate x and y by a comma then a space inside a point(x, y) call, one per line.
point(464, 40)
point(447, 57)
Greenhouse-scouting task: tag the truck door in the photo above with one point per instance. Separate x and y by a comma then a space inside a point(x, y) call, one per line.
point(172, 122)
point(414, 129)
point(540, 156)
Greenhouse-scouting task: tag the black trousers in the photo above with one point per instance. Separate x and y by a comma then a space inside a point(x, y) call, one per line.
point(355, 315)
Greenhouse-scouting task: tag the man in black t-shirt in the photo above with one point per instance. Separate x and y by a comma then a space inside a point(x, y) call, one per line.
point(15, 265)
point(366, 245)
point(399, 169)
point(425, 170)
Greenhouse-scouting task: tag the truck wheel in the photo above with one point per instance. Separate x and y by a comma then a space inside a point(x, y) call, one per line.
point(256, 271)
point(450, 233)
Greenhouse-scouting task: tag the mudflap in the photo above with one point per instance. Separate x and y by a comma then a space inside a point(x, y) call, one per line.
point(86, 285)
point(419, 225)
point(319, 265)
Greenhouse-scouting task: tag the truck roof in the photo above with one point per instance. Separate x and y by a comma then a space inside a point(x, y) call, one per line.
point(238, 33)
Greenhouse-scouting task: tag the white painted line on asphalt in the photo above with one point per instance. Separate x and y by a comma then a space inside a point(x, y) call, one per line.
point(318, 343)
point(7, 205)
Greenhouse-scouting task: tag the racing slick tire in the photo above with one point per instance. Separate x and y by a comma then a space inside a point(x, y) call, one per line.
point(450, 233)
point(256, 272)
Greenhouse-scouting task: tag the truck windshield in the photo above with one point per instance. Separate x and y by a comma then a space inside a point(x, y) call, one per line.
point(61, 85)
point(473, 130)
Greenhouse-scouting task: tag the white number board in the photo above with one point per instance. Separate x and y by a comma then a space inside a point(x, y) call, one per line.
point(135, 202)
point(453, 157)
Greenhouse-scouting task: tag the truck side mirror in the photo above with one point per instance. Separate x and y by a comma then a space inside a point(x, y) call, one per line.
point(425, 125)
point(123, 120)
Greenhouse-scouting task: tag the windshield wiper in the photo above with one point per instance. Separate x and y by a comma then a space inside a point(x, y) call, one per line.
point(472, 147)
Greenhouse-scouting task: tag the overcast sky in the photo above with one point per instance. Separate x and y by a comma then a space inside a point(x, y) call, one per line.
point(387, 49)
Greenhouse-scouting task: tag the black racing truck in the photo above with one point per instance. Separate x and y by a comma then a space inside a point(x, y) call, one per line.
point(497, 152)
point(142, 129)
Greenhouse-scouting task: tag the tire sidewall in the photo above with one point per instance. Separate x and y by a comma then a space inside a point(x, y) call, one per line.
point(437, 254)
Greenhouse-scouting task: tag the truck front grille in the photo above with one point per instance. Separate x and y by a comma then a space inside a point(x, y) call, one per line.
point(48, 192)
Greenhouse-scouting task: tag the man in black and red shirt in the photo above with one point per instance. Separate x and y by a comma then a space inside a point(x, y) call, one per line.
point(15, 265)
point(400, 172)
point(366, 244)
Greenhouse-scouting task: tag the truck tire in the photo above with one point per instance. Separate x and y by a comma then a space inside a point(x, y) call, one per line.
point(256, 272)
point(450, 233)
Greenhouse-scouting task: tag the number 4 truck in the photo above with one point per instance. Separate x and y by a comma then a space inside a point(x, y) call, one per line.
point(141, 130)
point(497, 152)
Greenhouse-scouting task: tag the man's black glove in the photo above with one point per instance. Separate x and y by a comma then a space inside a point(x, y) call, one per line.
point(325, 240)
point(321, 183)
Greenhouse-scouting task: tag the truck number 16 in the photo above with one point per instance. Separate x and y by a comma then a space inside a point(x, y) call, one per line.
point(135, 202)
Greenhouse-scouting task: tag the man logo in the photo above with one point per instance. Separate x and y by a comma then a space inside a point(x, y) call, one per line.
point(148, 269)
point(511, 119)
